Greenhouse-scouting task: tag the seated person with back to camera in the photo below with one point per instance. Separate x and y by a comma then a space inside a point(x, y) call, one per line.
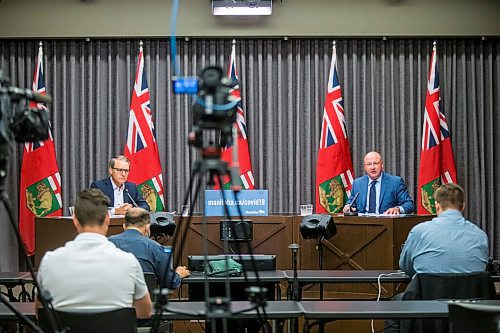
point(379, 192)
point(89, 272)
point(122, 194)
point(447, 244)
point(152, 256)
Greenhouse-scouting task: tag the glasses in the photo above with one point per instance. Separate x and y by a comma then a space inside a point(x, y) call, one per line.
point(121, 170)
point(372, 164)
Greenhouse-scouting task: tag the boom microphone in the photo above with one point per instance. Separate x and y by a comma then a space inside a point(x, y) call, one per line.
point(353, 203)
point(128, 194)
point(353, 209)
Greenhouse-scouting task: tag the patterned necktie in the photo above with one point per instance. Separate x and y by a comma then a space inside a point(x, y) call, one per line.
point(373, 198)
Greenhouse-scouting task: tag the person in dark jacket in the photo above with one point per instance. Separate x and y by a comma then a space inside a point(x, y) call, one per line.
point(122, 194)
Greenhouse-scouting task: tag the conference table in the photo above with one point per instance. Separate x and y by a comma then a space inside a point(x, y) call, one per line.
point(348, 276)
point(276, 310)
point(177, 310)
point(10, 280)
point(325, 311)
point(306, 277)
point(281, 310)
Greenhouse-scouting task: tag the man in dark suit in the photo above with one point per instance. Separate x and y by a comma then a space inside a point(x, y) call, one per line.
point(380, 192)
point(121, 193)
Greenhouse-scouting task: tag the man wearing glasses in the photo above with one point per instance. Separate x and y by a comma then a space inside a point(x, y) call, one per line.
point(121, 193)
point(379, 192)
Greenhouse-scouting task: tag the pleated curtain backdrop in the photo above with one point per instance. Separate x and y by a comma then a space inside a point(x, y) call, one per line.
point(283, 87)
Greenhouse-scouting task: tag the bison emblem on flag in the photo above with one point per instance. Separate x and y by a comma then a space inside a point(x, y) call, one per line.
point(43, 197)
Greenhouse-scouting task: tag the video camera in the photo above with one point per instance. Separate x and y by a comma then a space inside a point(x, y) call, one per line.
point(214, 107)
point(18, 120)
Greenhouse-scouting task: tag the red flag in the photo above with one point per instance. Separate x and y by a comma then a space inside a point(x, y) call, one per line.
point(40, 190)
point(141, 147)
point(246, 180)
point(334, 172)
point(437, 165)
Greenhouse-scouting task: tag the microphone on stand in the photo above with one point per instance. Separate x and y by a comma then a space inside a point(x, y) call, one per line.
point(130, 197)
point(295, 284)
point(353, 209)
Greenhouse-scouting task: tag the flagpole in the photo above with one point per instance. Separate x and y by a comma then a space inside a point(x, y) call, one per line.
point(235, 167)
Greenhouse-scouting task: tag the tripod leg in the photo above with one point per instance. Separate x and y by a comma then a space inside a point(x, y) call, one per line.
point(162, 300)
point(43, 295)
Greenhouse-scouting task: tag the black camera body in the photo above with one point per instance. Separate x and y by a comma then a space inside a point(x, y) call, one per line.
point(214, 107)
point(18, 120)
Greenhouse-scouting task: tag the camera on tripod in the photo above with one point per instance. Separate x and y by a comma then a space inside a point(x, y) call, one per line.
point(214, 107)
point(17, 118)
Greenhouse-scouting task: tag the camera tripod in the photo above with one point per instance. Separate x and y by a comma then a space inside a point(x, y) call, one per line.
point(217, 309)
point(34, 126)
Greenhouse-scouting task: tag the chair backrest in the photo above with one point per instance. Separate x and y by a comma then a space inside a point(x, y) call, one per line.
point(449, 286)
point(474, 317)
point(427, 286)
point(151, 282)
point(120, 320)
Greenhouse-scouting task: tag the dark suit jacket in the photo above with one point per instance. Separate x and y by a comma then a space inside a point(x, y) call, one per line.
point(393, 193)
point(107, 188)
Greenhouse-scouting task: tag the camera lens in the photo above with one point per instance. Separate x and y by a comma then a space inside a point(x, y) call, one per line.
point(211, 77)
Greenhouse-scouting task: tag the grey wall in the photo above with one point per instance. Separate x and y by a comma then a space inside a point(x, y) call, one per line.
point(132, 18)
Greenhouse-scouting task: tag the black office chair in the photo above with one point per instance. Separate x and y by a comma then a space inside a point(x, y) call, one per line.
point(445, 286)
point(151, 282)
point(120, 320)
point(474, 317)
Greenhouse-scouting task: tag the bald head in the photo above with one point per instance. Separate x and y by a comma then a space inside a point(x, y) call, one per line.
point(137, 217)
point(374, 165)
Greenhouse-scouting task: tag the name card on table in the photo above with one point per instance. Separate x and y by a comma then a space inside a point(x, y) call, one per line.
point(251, 202)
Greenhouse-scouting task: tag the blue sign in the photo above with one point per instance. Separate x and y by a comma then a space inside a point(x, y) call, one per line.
point(251, 202)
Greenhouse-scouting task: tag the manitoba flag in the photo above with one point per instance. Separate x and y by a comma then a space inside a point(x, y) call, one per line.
point(246, 180)
point(334, 172)
point(40, 190)
point(141, 147)
point(437, 165)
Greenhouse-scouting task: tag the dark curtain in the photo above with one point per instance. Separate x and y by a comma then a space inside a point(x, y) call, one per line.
point(283, 87)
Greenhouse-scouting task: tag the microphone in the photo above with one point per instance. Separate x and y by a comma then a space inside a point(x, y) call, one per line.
point(295, 283)
point(353, 209)
point(130, 197)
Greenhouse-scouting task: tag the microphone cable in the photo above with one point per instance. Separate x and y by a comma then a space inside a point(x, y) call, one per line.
point(379, 284)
